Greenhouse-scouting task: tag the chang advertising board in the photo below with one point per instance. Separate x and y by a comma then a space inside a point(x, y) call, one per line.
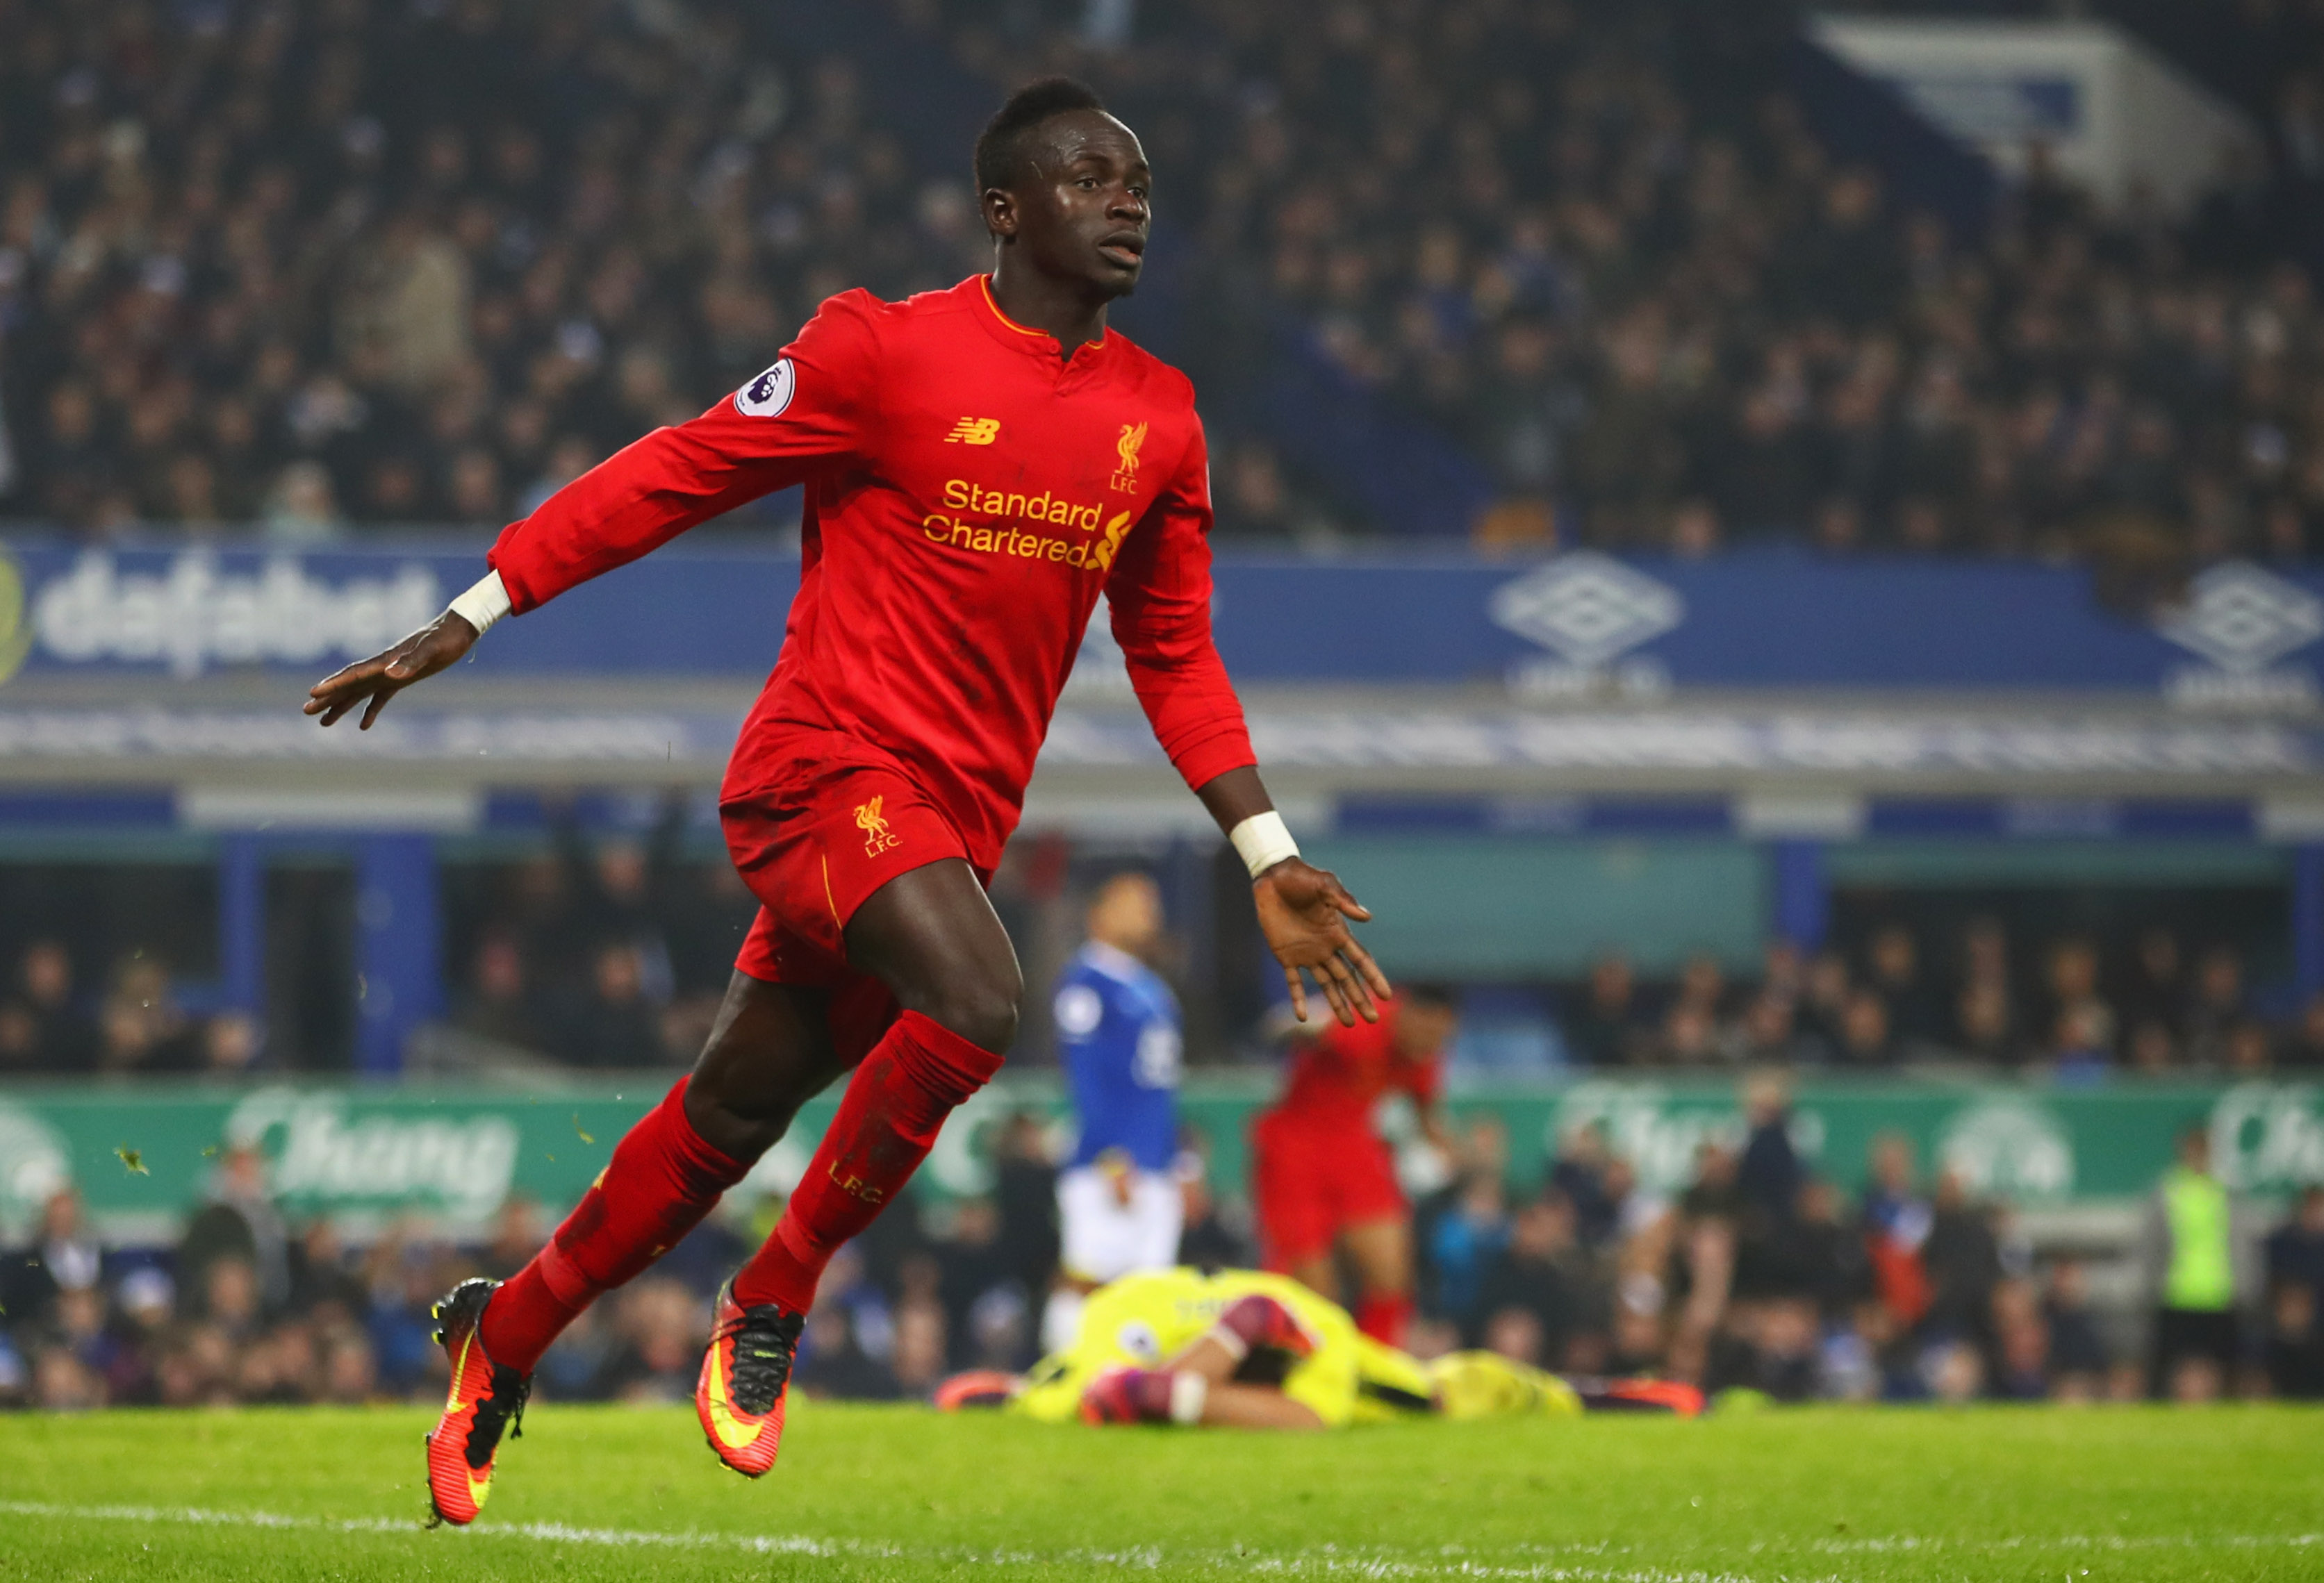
point(2269, 1138)
point(322, 1153)
point(458, 1153)
point(35, 1160)
point(2009, 1146)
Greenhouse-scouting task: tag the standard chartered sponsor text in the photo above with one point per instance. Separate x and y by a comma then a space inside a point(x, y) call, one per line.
point(1012, 508)
point(962, 496)
point(1033, 546)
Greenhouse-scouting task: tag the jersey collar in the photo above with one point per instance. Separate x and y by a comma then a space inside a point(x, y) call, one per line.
point(1026, 338)
point(1113, 961)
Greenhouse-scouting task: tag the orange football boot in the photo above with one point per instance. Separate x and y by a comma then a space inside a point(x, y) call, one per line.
point(1653, 1396)
point(1108, 1398)
point(977, 1387)
point(485, 1399)
point(746, 1378)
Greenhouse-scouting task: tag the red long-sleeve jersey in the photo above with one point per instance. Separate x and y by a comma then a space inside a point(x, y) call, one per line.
point(1338, 1078)
point(969, 494)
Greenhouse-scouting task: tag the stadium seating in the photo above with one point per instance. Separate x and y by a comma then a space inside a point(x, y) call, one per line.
point(1575, 269)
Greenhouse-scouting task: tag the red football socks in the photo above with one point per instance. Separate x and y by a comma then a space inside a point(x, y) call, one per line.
point(1149, 1391)
point(1256, 1323)
point(894, 1106)
point(1384, 1317)
point(662, 1180)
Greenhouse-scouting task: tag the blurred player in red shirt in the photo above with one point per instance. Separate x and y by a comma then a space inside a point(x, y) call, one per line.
point(1324, 1178)
point(980, 464)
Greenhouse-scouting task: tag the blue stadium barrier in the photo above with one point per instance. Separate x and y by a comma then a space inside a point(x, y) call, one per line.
point(1772, 618)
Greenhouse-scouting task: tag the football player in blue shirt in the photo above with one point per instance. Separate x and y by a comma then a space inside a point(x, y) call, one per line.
point(1119, 1204)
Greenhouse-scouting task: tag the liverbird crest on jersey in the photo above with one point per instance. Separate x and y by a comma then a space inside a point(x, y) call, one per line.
point(1125, 478)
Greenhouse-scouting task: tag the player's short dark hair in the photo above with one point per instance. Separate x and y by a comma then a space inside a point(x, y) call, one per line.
point(999, 151)
point(1440, 996)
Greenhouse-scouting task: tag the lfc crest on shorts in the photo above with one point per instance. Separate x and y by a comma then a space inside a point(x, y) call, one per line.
point(877, 837)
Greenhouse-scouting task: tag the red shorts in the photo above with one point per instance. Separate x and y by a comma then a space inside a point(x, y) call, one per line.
point(1311, 1183)
point(812, 854)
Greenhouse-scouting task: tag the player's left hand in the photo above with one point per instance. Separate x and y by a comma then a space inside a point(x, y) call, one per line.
point(1304, 912)
point(374, 681)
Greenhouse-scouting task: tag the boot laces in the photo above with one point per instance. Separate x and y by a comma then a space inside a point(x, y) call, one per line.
point(500, 1408)
point(764, 1346)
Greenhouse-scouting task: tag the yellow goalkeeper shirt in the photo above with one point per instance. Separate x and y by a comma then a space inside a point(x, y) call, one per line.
point(1144, 1321)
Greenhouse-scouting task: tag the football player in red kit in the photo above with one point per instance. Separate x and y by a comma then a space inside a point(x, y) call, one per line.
point(1322, 1178)
point(979, 464)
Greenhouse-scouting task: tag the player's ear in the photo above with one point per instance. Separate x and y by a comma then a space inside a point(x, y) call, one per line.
point(1001, 216)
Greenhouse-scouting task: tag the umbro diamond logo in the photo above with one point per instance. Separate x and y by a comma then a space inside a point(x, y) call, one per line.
point(2243, 618)
point(1588, 607)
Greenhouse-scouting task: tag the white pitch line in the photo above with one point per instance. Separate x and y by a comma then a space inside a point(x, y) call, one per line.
point(1329, 1561)
point(1899, 1543)
point(1326, 1560)
point(555, 1532)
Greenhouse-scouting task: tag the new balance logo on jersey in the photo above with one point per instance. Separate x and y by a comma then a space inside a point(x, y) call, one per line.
point(1125, 477)
point(975, 432)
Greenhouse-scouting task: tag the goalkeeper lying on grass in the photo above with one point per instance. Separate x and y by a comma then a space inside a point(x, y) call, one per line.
point(1242, 1350)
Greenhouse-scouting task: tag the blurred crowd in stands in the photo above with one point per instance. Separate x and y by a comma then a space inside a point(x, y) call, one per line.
point(1884, 999)
point(607, 953)
point(612, 954)
point(608, 948)
point(1755, 1276)
point(1599, 242)
point(363, 261)
point(1758, 1275)
point(382, 262)
point(253, 1305)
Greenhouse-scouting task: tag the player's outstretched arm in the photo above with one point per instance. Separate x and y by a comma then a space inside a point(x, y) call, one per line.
point(1160, 595)
point(803, 413)
point(439, 643)
point(1303, 910)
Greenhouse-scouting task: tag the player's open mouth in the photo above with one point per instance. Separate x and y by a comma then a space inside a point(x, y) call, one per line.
point(1126, 249)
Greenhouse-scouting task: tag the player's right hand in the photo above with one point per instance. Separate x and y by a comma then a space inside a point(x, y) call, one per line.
point(1304, 912)
point(439, 643)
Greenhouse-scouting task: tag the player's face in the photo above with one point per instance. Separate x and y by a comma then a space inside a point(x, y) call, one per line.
point(1081, 212)
point(1127, 914)
point(1422, 1029)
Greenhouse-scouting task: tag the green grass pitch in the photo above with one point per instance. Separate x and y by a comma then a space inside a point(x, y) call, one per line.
point(2126, 1493)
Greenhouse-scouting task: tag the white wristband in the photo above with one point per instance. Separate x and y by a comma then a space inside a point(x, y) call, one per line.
point(1228, 1342)
point(484, 605)
point(1264, 841)
point(1188, 1392)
